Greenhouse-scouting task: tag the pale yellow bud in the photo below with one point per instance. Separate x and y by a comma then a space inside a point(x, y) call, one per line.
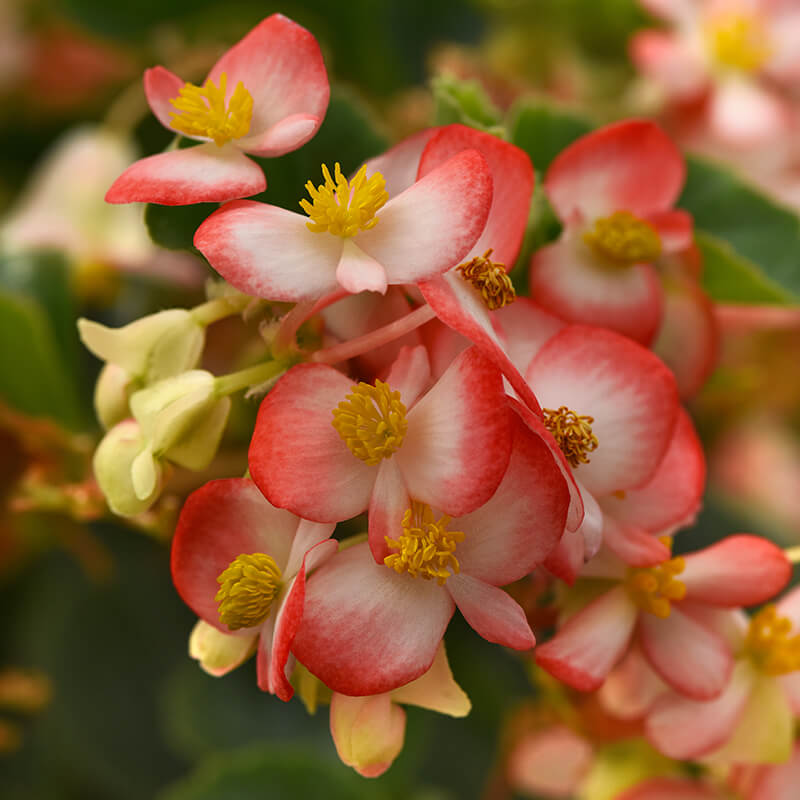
point(111, 394)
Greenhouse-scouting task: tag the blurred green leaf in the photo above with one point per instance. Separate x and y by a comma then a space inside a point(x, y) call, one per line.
point(464, 101)
point(730, 278)
point(759, 240)
point(273, 773)
point(34, 377)
point(173, 227)
point(543, 130)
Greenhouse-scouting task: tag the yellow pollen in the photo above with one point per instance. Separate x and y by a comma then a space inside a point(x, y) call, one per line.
point(654, 588)
point(202, 111)
point(573, 434)
point(769, 644)
point(426, 548)
point(490, 279)
point(341, 207)
point(371, 421)
point(247, 588)
point(623, 239)
point(738, 41)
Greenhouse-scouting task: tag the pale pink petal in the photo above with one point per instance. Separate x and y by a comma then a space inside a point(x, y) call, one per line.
point(740, 570)
point(631, 687)
point(508, 536)
point(746, 115)
point(513, 178)
point(675, 229)
point(161, 86)
point(280, 64)
point(636, 546)
point(671, 789)
point(567, 557)
point(691, 658)
point(687, 729)
point(307, 467)
point(602, 172)
point(667, 60)
point(779, 781)
point(591, 642)
point(525, 327)
point(567, 280)
point(388, 504)
point(672, 496)
point(283, 137)
point(201, 174)
point(447, 460)
point(410, 374)
point(433, 224)
point(358, 272)
point(399, 164)
point(308, 535)
point(269, 252)
point(218, 522)
point(367, 629)
point(791, 688)
point(630, 394)
point(436, 690)
point(491, 612)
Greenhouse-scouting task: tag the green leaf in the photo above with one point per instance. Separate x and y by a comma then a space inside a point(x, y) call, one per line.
point(543, 131)
point(757, 241)
point(34, 377)
point(273, 773)
point(464, 101)
point(173, 227)
point(731, 278)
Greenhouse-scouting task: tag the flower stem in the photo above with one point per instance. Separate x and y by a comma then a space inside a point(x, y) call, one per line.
point(218, 309)
point(377, 338)
point(251, 376)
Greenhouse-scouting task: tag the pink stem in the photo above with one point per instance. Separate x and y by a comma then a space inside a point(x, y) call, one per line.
point(287, 331)
point(377, 338)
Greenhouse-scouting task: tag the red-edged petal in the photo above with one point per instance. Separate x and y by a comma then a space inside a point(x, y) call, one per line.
point(219, 521)
point(691, 658)
point(525, 327)
point(636, 546)
point(280, 64)
point(602, 172)
point(367, 629)
point(458, 442)
point(672, 496)
point(161, 86)
point(269, 252)
point(283, 137)
point(740, 570)
point(202, 174)
point(670, 789)
point(491, 612)
point(388, 504)
point(272, 671)
point(629, 392)
point(309, 534)
point(687, 729)
point(358, 272)
point(631, 687)
point(432, 225)
point(513, 177)
point(675, 229)
point(567, 280)
point(688, 339)
point(591, 642)
point(297, 457)
point(399, 164)
point(410, 374)
point(508, 536)
point(567, 557)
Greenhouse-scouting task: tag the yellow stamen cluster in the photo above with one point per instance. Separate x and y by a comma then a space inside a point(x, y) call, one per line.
point(572, 432)
point(202, 111)
point(653, 589)
point(738, 41)
point(371, 421)
point(490, 279)
point(769, 644)
point(623, 239)
point(247, 588)
point(426, 548)
point(341, 207)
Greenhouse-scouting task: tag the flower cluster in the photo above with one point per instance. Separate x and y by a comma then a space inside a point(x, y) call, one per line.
point(478, 436)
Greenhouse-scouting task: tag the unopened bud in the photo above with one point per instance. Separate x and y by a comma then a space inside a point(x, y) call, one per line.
point(218, 652)
point(111, 393)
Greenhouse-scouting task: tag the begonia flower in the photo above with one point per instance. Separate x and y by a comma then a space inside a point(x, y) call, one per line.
point(370, 627)
point(648, 604)
point(752, 721)
point(266, 96)
point(369, 731)
point(672, 789)
point(241, 565)
point(353, 235)
point(617, 222)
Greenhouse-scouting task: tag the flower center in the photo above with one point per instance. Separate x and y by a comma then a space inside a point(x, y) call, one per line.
point(654, 588)
point(426, 548)
point(247, 588)
point(202, 111)
point(372, 421)
point(572, 432)
point(624, 239)
point(490, 279)
point(341, 207)
point(738, 40)
point(769, 644)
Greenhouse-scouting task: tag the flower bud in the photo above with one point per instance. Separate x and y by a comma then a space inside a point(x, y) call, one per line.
point(218, 652)
point(111, 394)
point(113, 462)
